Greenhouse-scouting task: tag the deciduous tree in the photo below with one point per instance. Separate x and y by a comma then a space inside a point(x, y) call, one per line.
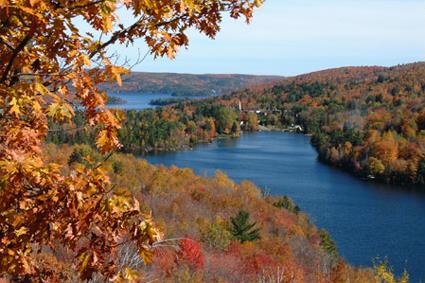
point(48, 64)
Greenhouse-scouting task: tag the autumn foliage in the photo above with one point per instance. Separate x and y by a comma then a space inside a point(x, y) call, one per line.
point(195, 214)
point(367, 120)
point(48, 64)
point(190, 252)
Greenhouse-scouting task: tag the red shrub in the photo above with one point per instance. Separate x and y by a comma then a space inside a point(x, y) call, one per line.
point(234, 248)
point(257, 263)
point(190, 252)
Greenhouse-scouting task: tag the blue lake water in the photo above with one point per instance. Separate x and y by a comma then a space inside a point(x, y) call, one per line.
point(136, 101)
point(140, 101)
point(366, 220)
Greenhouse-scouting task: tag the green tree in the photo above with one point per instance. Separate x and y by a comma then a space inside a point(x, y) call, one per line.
point(117, 167)
point(225, 118)
point(375, 166)
point(252, 122)
point(80, 154)
point(327, 243)
point(217, 236)
point(242, 229)
point(421, 172)
point(272, 119)
point(288, 204)
point(384, 273)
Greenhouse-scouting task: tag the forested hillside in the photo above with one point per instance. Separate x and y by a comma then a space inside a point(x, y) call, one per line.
point(367, 120)
point(214, 229)
point(370, 121)
point(186, 84)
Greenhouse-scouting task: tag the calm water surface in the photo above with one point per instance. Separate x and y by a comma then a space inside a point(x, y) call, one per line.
point(136, 101)
point(366, 220)
point(140, 101)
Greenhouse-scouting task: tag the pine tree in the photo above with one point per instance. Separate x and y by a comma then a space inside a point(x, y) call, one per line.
point(242, 229)
point(328, 244)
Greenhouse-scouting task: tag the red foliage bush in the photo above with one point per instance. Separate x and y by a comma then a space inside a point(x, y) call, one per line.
point(190, 252)
point(257, 263)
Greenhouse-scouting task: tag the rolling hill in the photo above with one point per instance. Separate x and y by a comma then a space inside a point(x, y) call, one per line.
point(187, 84)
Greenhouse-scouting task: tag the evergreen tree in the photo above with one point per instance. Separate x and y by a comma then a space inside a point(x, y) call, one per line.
point(328, 244)
point(79, 154)
point(421, 172)
point(242, 229)
point(287, 203)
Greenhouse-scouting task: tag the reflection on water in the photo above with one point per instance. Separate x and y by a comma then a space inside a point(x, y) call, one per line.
point(229, 142)
point(367, 220)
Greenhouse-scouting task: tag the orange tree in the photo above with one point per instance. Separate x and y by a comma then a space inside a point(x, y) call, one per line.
point(48, 63)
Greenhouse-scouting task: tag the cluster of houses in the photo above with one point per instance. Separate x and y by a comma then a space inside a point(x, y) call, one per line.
point(264, 112)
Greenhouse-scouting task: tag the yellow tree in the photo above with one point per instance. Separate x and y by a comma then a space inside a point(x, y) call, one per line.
point(47, 64)
point(386, 149)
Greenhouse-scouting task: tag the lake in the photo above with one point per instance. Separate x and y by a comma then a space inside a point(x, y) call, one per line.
point(136, 101)
point(140, 101)
point(366, 220)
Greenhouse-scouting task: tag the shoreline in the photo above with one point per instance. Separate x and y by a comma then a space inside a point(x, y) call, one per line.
point(359, 175)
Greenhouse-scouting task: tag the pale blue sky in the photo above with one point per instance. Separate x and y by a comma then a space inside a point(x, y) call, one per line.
point(288, 37)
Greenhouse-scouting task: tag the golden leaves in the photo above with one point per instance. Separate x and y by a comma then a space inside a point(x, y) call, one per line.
point(14, 107)
point(384, 274)
point(120, 203)
point(107, 140)
point(84, 60)
point(60, 112)
point(146, 255)
point(258, 3)
point(85, 264)
point(4, 3)
point(21, 231)
point(115, 72)
point(127, 275)
point(44, 204)
point(33, 2)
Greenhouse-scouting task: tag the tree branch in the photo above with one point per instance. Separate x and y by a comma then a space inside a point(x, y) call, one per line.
point(18, 49)
point(7, 44)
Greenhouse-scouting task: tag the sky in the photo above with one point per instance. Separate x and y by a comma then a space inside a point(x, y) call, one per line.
point(290, 37)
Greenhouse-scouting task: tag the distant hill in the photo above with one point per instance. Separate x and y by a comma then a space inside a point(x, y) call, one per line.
point(367, 120)
point(187, 84)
